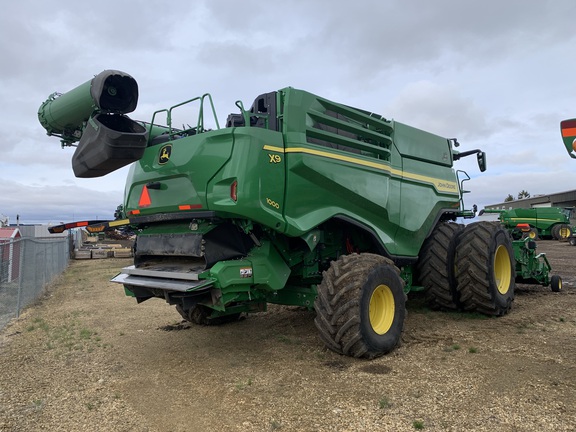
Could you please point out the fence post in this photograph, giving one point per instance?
(20, 270)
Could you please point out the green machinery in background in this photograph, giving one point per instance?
(544, 222)
(525, 227)
(533, 268)
(297, 200)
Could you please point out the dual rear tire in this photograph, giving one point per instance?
(435, 267)
(485, 269)
(561, 232)
(470, 269)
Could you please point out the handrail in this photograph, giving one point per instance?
(200, 121)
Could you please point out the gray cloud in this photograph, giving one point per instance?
(45, 203)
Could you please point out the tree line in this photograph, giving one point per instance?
(521, 195)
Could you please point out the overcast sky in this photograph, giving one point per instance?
(498, 75)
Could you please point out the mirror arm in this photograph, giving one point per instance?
(458, 156)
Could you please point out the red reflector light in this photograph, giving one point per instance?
(134, 212)
(75, 225)
(144, 198)
(234, 191)
(189, 206)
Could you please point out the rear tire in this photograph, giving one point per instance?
(360, 307)
(436, 267)
(200, 314)
(554, 232)
(485, 269)
(564, 232)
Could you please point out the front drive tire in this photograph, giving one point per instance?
(485, 269)
(436, 267)
(360, 307)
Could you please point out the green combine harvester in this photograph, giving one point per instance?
(544, 222)
(298, 200)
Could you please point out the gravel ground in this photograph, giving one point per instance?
(87, 358)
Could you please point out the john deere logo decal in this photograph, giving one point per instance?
(165, 153)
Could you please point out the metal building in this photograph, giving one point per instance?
(560, 199)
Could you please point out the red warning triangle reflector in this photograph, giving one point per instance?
(144, 198)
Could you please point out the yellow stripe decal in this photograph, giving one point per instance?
(534, 219)
(119, 222)
(440, 185)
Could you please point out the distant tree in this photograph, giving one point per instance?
(509, 198)
(523, 194)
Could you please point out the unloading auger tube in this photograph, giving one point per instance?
(93, 114)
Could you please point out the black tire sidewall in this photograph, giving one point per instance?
(556, 283)
(382, 275)
(554, 231)
(501, 238)
(437, 260)
(475, 267)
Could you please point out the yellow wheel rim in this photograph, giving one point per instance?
(564, 233)
(382, 309)
(532, 234)
(502, 269)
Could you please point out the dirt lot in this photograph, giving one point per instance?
(87, 358)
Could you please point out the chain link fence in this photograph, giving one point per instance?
(27, 265)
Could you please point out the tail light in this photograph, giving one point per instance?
(234, 191)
